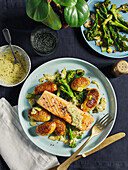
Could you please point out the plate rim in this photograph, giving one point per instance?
(75, 59)
(101, 53)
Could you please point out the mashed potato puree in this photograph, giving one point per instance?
(9, 72)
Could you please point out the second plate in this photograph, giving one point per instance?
(118, 54)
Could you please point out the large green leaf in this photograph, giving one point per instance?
(66, 2)
(37, 9)
(76, 15)
(52, 20)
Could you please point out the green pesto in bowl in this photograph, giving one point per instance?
(44, 40)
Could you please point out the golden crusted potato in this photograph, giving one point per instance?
(60, 126)
(41, 116)
(46, 128)
(80, 83)
(91, 100)
(49, 86)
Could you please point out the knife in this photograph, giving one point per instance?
(109, 140)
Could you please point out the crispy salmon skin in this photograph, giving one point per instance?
(58, 107)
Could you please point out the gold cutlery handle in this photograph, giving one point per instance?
(109, 140)
(67, 163)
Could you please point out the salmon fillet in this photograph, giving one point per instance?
(58, 107)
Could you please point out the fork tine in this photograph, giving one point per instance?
(101, 119)
(106, 120)
(101, 122)
(107, 124)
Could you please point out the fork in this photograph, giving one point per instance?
(98, 127)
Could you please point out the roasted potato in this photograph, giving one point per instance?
(41, 116)
(60, 126)
(91, 100)
(80, 83)
(46, 128)
(49, 86)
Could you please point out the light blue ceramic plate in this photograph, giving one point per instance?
(91, 72)
(92, 43)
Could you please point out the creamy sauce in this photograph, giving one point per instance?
(74, 140)
(94, 82)
(102, 105)
(34, 110)
(67, 141)
(80, 88)
(9, 72)
(64, 73)
(76, 116)
(33, 122)
(49, 77)
(59, 138)
(77, 132)
(32, 102)
(88, 24)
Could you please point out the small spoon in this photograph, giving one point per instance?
(7, 37)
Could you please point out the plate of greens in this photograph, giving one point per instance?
(75, 67)
(106, 30)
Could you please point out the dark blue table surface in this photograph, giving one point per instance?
(71, 44)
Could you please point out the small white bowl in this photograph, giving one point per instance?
(25, 55)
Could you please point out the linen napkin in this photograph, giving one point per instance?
(16, 149)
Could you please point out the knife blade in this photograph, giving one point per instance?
(109, 140)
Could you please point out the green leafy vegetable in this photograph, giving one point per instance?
(72, 143)
(77, 14)
(117, 24)
(52, 20)
(32, 96)
(107, 25)
(80, 96)
(123, 8)
(63, 81)
(64, 86)
(107, 40)
(93, 32)
(34, 9)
